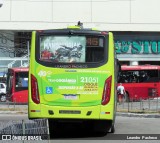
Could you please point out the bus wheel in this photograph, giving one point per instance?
(126, 97)
(100, 127)
(112, 130)
(3, 98)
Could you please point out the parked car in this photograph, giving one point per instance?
(2, 92)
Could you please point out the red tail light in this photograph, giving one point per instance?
(34, 90)
(107, 91)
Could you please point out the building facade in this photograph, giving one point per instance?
(135, 24)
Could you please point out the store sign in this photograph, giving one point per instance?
(137, 47)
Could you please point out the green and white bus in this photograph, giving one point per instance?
(73, 77)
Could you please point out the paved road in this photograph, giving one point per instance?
(124, 125)
(14, 117)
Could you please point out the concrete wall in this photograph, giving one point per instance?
(113, 15)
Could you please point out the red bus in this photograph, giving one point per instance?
(140, 81)
(17, 85)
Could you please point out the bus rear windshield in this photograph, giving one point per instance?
(72, 49)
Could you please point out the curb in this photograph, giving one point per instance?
(138, 115)
(13, 112)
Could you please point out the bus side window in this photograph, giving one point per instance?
(24, 82)
(18, 82)
(144, 76)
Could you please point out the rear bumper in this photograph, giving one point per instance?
(58, 112)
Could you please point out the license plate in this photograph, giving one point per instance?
(70, 97)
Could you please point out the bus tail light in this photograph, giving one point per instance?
(34, 90)
(107, 91)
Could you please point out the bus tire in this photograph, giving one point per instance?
(112, 130)
(100, 127)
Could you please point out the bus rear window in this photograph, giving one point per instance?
(71, 49)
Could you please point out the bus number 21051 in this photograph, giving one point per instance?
(89, 79)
